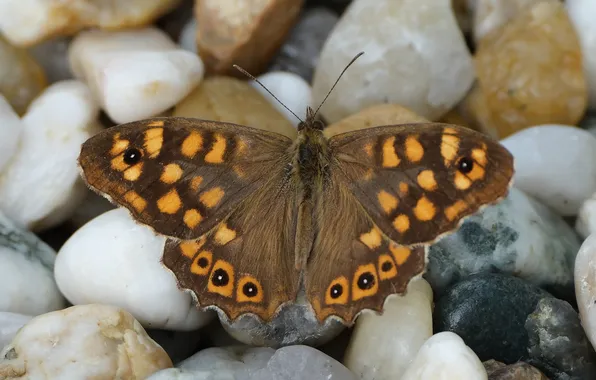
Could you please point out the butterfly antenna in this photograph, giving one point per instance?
(266, 89)
(338, 78)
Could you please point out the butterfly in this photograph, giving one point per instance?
(254, 218)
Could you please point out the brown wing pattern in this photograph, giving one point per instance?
(418, 181)
(181, 176)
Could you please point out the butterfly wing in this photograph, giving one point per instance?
(353, 265)
(418, 181)
(246, 264)
(181, 176)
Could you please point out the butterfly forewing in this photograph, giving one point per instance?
(180, 176)
(418, 181)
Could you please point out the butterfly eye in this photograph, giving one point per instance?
(336, 291)
(465, 165)
(132, 156)
(250, 290)
(220, 277)
(387, 266)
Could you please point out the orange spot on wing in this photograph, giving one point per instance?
(249, 290)
(338, 292)
(196, 182)
(216, 285)
(400, 253)
(134, 172)
(212, 197)
(386, 267)
(201, 264)
(373, 284)
(401, 223)
(390, 159)
(372, 239)
(461, 181)
(156, 123)
(118, 163)
(192, 144)
(424, 210)
(153, 141)
(479, 155)
(414, 150)
(387, 201)
(403, 188)
(426, 180)
(192, 218)
(455, 210)
(215, 155)
(170, 203)
(189, 248)
(119, 145)
(224, 235)
(171, 173)
(135, 200)
(449, 147)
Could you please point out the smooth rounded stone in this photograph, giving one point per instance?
(27, 283)
(41, 186)
(134, 74)
(245, 33)
(381, 114)
(81, 342)
(489, 15)
(21, 77)
(188, 36)
(10, 132)
(382, 346)
(235, 101)
(555, 164)
(528, 74)
(245, 363)
(300, 52)
(114, 260)
(415, 56)
(52, 56)
(28, 22)
(585, 223)
(585, 286)
(507, 319)
(581, 13)
(10, 323)
(518, 236)
(445, 356)
(518, 371)
(293, 91)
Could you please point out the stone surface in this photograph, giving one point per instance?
(507, 319)
(27, 22)
(518, 236)
(234, 101)
(518, 371)
(81, 342)
(414, 55)
(52, 56)
(585, 286)
(291, 90)
(300, 52)
(134, 74)
(585, 224)
(489, 15)
(10, 132)
(27, 283)
(41, 186)
(244, 363)
(529, 72)
(581, 12)
(445, 356)
(245, 33)
(21, 77)
(10, 323)
(555, 164)
(114, 260)
(382, 346)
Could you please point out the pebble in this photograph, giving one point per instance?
(517, 236)
(41, 186)
(490, 15)
(529, 72)
(382, 346)
(507, 319)
(291, 90)
(518, 371)
(445, 356)
(245, 33)
(10, 132)
(81, 342)
(581, 13)
(188, 36)
(28, 22)
(10, 323)
(555, 164)
(21, 77)
(135, 74)
(300, 52)
(585, 286)
(232, 100)
(52, 56)
(245, 363)
(27, 283)
(406, 45)
(585, 223)
(114, 260)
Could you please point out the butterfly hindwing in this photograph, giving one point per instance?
(418, 181)
(180, 176)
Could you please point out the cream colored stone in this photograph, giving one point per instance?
(585, 286)
(492, 14)
(583, 15)
(27, 22)
(382, 346)
(234, 101)
(83, 342)
(10, 132)
(414, 55)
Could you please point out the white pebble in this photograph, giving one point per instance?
(414, 55)
(41, 186)
(10, 323)
(585, 286)
(134, 74)
(290, 89)
(10, 132)
(83, 342)
(382, 346)
(52, 55)
(116, 261)
(445, 356)
(585, 224)
(188, 36)
(582, 13)
(556, 164)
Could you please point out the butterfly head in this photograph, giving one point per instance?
(311, 121)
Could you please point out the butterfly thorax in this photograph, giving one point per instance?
(311, 157)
